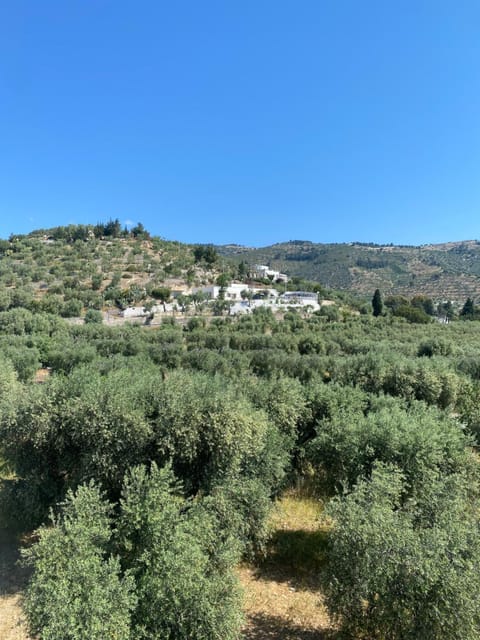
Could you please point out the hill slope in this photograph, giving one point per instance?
(448, 271)
(65, 269)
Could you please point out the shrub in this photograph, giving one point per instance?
(77, 591)
(418, 441)
(185, 584)
(405, 569)
(93, 317)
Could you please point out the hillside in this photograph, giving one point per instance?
(449, 271)
(66, 269)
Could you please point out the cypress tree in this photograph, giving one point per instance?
(377, 303)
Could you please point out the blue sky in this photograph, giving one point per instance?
(252, 121)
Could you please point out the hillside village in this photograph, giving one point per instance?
(237, 297)
(128, 275)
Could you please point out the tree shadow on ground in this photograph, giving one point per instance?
(13, 577)
(268, 627)
(297, 557)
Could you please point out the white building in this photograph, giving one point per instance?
(134, 312)
(300, 299)
(247, 306)
(264, 271)
(232, 292)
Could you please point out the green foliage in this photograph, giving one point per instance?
(405, 568)
(427, 380)
(223, 280)
(161, 293)
(238, 409)
(423, 303)
(205, 427)
(394, 302)
(139, 231)
(184, 581)
(77, 591)
(377, 303)
(76, 428)
(468, 311)
(349, 444)
(97, 280)
(241, 507)
(93, 317)
(435, 347)
(446, 309)
(72, 308)
(26, 360)
(412, 314)
(469, 408)
(206, 253)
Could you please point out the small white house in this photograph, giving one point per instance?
(232, 292)
(134, 312)
(264, 271)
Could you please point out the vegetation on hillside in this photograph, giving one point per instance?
(443, 272)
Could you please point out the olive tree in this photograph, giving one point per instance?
(405, 568)
(77, 591)
(184, 579)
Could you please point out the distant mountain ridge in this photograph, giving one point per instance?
(447, 271)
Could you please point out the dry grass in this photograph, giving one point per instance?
(283, 598)
(277, 610)
(296, 511)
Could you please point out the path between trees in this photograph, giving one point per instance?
(12, 581)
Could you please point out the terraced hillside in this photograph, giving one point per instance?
(449, 271)
(67, 269)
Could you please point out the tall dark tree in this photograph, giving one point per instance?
(377, 303)
(139, 231)
(468, 310)
(205, 252)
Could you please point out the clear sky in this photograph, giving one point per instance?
(249, 121)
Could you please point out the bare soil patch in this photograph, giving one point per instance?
(283, 599)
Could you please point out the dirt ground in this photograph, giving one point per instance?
(12, 581)
(283, 599)
(282, 610)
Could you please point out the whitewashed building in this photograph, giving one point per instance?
(264, 271)
(232, 292)
(300, 299)
(133, 312)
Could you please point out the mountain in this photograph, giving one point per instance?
(449, 271)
